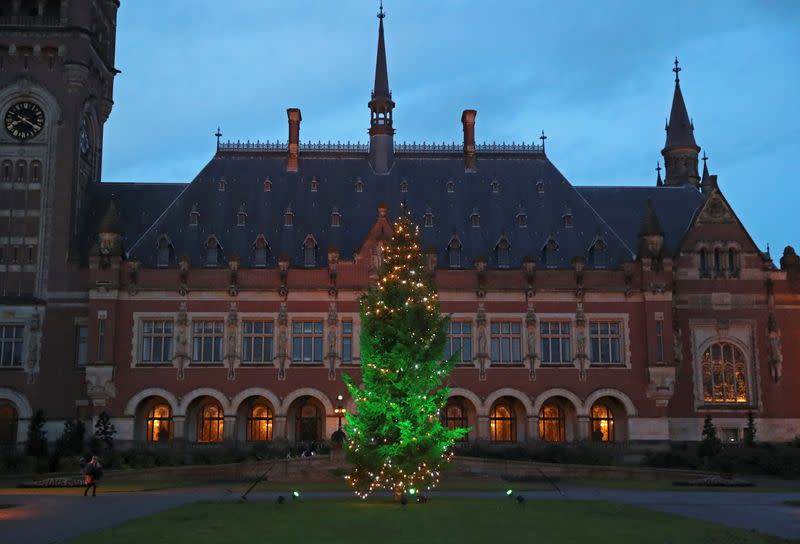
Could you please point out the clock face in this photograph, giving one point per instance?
(84, 140)
(24, 120)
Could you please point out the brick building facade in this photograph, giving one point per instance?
(226, 309)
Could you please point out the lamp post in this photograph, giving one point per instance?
(338, 436)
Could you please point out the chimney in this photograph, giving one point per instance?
(468, 120)
(293, 159)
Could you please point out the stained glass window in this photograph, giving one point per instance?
(551, 423)
(724, 374)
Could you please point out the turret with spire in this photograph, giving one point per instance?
(381, 131)
(680, 150)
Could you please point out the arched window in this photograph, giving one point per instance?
(22, 172)
(597, 253)
(502, 423)
(164, 252)
(267, 185)
(551, 423)
(451, 186)
(567, 218)
(8, 424)
(212, 251)
(241, 216)
(288, 217)
(259, 423)
(194, 216)
(211, 423)
(454, 416)
(540, 186)
(522, 218)
(310, 251)
(159, 423)
(602, 423)
(428, 218)
(454, 253)
(261, 250)
(550, 252)
(36, 172)
(724, 374)
(495, 186)
(5, 171)
(359, 186)
(336, 217)
(732, 264)
(717, 262)
(308, 422)
(475, 218)
(703, 260)
(404, 186)
(503, 250)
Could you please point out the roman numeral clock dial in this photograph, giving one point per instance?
(24, 120)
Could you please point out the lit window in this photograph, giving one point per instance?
(556, 342)
(551, 423)
(724, 374)
(307, 341)
(259, 424)
(8, 424)
(503, 251)
(257, 337)
(459, 342)
(602, 423)
(454, 416)
(502, 423)
(210, 424)
(11, 345)
(605, 342)
(454, 253)
(207, 341)
(159, 423)
(505, 342)
(347, 341)
(660, 340)
(81, 345)
(157, 341)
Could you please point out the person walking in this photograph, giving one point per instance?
(91, 474)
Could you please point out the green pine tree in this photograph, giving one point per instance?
(104, 430)
(396, 440)
(36, 445)
(750, 430)
(710, 445)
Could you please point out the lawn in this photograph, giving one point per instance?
(458, 520)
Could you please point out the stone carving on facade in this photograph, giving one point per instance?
(332, 354)
(677, 342)
(233, 276)
(100, 383)
(231, 331)
(133, 277)
(181, 357)
(183, 276)
(530, 327)
(482, 354)
(34, 343)
(775, 351)
(580, 343)
(282, 342)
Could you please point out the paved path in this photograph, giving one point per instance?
(50, 518)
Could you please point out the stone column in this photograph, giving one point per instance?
(483, 428)
(179, 429)
(279, 427)
(582, 432)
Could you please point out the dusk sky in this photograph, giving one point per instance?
(595, 76)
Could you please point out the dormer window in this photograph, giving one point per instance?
(428, 218)
(404, 186)
(241, 216)
(503, 251)
(212, 251)
(475, 218)
(540, 186)
(221, 185)
(336, 218)
(261, 249)
(314, 185)
(164, 252)
(522, 217)
(451, 186)
(567, 218)
(454, 252)
(194, 216)
(550, 252)
(288, 217)
(598, 253)
(495, 185)
(359, 186)
(309, 252)
(267, 185)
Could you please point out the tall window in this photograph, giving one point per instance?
(454, 416)
(502, 423)
(724, 374)
(11, 345)
(660, 340)
(347, 341)
(101, 338)
(211, 424)
(212, 252)
(428, 219)
(404, 186)
(459, 342)
(550, 253)
(81, 345)
(506, 342)
(307, 341)
(556, 342)
(157, 341)
(308, 422)
(598, 253)
(257, 337)
(551, 423)
(159, 423)
(288, 217)
(475, 218)
(259, 423)
(602, 422)
(454, 253)
(207, 341)
(164, 248)
(717, 262)
(732, 264)
(261, 250)
(503, 250)
(8, 424)
(703, 261)
(336, 218)
(310, 252)
(522, 219)
(605, 342)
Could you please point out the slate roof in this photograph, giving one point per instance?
(519, 181)
(680, 131)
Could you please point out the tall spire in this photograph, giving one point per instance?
(680, 149)
(381, 130)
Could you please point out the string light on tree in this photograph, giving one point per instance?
(395, 439)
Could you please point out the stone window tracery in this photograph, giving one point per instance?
(552, 426)
(259, 423)
(502, 422)
(159, 423)
(454, 416)
(211, 423)
(602, 423)
(724, 374)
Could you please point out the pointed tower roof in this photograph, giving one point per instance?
(706, 179)
(381, 88)
(659, 181)
(650, 224)
(111, 222)
(680, 131)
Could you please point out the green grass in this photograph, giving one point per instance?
(106, 486)
(663, 485)
(463, 521)
(446, 485)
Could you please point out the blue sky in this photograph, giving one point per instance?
(595, 76)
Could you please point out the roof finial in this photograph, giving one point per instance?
(542, 138)
(705, 159)
(659, 181)
(381, 13)
(218, 134)
(676, 70)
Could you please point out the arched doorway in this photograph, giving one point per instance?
(454, 415)
(309, 420)
(159, 422)
(552, 423)
(504, 420)
(255, 420)
(607, 420)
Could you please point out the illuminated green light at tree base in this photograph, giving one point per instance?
(509, 492)
(395, 439)
(296, 494)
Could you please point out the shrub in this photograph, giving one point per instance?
(36, 445)
(104, 431)
(710, 445)
(750, 430)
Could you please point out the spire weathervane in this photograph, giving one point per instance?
(218, 134)
(676, 70)
(658, 168)
(705, 159)
(542, 138)
(381, 13)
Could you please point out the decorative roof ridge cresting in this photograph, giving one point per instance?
(403, 147)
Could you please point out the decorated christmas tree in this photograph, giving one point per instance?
(396, 440)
